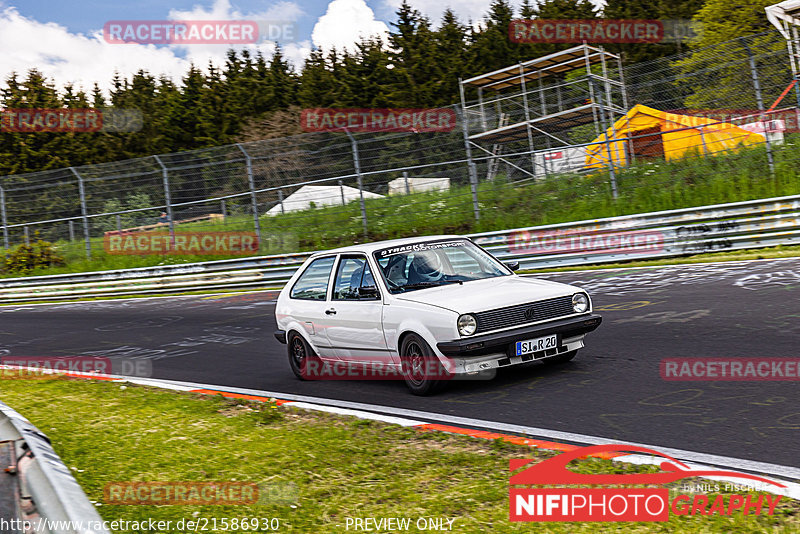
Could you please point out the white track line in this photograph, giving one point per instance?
(644, 267)
(68, 302)
(708, 459)
(400, 416)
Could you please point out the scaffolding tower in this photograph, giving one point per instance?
(540, 100)
(785, 16)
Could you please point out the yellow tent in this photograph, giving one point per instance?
(649, 133)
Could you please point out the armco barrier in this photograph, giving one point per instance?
(739, 225)
(36, 485)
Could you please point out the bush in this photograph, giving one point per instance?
(25, 258)
(131, 202)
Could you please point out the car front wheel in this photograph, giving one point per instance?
(422, 371)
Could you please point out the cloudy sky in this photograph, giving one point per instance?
(64, 39)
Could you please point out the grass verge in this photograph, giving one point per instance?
(337, 467)
(642, 187)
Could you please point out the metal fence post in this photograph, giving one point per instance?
(84, 213)
(252, 185)
(224, 211)
(611, 173)
(280, 200)
(544, 165)
(791, 44)
(119, 223)
(341, 192)
(473, 171)
(760, 103)
(405, 178)
(27, 233)
(703, 140)
(71, 231)
(3, 214)
(167, 198)
(357, 163)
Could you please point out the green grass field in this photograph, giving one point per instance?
(320, 469)
(643, 187)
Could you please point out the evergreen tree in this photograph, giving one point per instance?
(316, 85)
(451, 55)
(665, 11)
(493, 49)
(282, 81)
(417, 73)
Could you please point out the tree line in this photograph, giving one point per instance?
(419, 66)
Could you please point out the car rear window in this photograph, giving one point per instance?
(313, 283)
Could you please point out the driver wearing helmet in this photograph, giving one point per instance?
(425, 267)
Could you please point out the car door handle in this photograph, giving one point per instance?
(330, 312)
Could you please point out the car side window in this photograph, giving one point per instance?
(313, 283)
(353, 273)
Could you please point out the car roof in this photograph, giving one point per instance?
(368, 248)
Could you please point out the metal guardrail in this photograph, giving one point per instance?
(716, 228)
(36, 485)
(721, 227)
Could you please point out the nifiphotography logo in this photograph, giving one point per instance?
(622, 504)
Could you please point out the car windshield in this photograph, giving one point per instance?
(435, 263)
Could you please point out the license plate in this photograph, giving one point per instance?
(535, 345)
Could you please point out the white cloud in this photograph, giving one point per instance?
(296, 53)
(345, 23)
(75, 58)
(465, 9)
(85, 59)
(281, 12)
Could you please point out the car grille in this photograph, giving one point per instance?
(543, 310)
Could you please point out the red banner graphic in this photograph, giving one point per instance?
(591, 31)
(577, 241)
(378, 120)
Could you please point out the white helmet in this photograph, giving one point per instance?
(427, 265)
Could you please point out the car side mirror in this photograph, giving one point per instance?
(368, 293)
(513, 265)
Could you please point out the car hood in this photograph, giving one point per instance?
(488, 294)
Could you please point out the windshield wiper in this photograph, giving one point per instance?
(423, 285)
(418, 285)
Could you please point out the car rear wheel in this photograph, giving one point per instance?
(301, 356)
(561, 358)
(422, 370)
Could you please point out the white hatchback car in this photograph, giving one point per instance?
(418, 304)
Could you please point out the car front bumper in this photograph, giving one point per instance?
(499, 342)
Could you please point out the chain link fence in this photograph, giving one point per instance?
(375, 182)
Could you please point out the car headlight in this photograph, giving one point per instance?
(580, 302)
(467, 324)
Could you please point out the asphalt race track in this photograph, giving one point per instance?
(612, 389)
